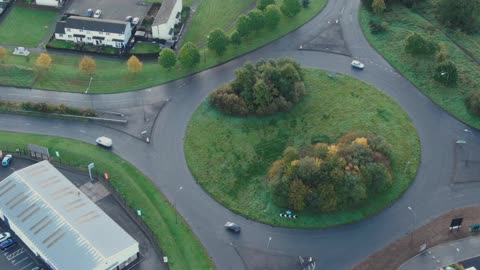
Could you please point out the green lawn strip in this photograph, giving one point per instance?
(419, 70)
(212, 14)
(176, 240)
(145, 47)
(26, 27)
(230, 156)
(113, 76)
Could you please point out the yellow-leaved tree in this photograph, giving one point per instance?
(134, 65)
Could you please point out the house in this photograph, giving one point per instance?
(51, 3)
(94, 31)
(164, 23)
(62, 225)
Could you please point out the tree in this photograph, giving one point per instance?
(134, 65)
(442, 53)
(3, 54)
(189, 55)
(290, 8)
(235, 38)
(43, 63)
(377, 177)
(244, 25)
(417, 45)
(290, 154)
(262, 4)
(473, 103)
(305, 3)
(88, 65)
(446, 73)
(257, 19)
(297, 195)
(461, 14)
(309, 170)
(354, 189)
(218, 41)
(327, 197)
(272, 16)
(167, 58)
(378, 6)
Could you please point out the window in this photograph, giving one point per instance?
(81, 31)
(89, 38)
(69, 36)
(108, 34)
(60, 35)
(68, 29)
(88, 32)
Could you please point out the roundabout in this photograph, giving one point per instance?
(163, 162)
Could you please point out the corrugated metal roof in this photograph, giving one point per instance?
(59, 219)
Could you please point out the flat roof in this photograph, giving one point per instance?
(59, 219)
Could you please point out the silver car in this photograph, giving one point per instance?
(357, 64)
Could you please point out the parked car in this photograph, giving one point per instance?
(4, 236)
(104, 141)
(8, 244)
(232, 227)
(128, 19)
(7, 160)
(89, 12)
(37, 268)
(97, 14)
(135, 20)
(357, 64)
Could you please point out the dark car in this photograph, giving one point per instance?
(89, 13)
(232, 227)
(8, 244)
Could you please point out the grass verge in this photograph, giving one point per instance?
(419, 70)
(183, 249)
(113, 76)
(230, 156)
(26, 27)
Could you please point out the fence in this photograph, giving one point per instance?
(22, 152)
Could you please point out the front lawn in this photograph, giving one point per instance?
(145, 47)
(26, 27)
(230, 156)
(183, 249)
(419, 70)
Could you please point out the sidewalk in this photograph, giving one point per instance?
(404, 252)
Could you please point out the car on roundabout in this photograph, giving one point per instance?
(7, 160)
(104, 141)
(357, 64)
(230, 226)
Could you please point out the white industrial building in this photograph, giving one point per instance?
(167, 17)
(94, 31)
(60, 224)
(51, 3)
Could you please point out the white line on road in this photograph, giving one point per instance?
(83, 131)
(341, 12)
(26, 257)
(26, 266)
(28, 124)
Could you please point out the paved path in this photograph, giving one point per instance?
(164, 163)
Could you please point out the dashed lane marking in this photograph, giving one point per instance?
(26, 266)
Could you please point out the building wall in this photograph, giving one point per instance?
(108, 37)
(120, 259)
(52, 3)
(162, 31)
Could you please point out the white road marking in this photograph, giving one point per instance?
(83, 131)
(15, 254)
(343, 9)
(28, 124)
(26, 257)
(26, 266)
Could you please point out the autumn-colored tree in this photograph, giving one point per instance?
(297, 195)
(43, 63)
(134, 65)
(3, 53)
(442, 53)
(88, 65)
(378, 6)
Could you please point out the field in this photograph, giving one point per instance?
(26, 27)
(183, 249)
(402, 22)
(230, 156)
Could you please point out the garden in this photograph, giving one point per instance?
(339, 152)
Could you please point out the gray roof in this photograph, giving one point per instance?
(62, 222)
(164, 12)
(93, 24)
(60, 27)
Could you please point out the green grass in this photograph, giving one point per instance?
(145, 48)
(212, 14)
(230, 156)
(26, 27)
(419, 70)
(183, 249)
(113, 76)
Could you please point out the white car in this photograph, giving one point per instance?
(357, 64)
(104, 141)
(97, 13)
(135, 20)
(4, 236)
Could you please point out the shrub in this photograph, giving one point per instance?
(418, 45)
(473, 103)
(446, 73)
(290, 8)
(297, 195)
(272, 16)
(235, 38)
(377, 27)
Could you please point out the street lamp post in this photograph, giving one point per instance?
(413, 225)
(89, 83)
(443, 73)
(176, 213)
(468, 150)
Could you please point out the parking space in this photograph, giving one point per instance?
(111, 9)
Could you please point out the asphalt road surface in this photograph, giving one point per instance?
(432, 192)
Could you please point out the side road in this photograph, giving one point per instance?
(448, 246)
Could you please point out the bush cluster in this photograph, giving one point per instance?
(377, 27)
(261, 89)
(326, 178)
(60, 109)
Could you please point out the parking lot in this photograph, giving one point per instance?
(20, 257)
(111, 9)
